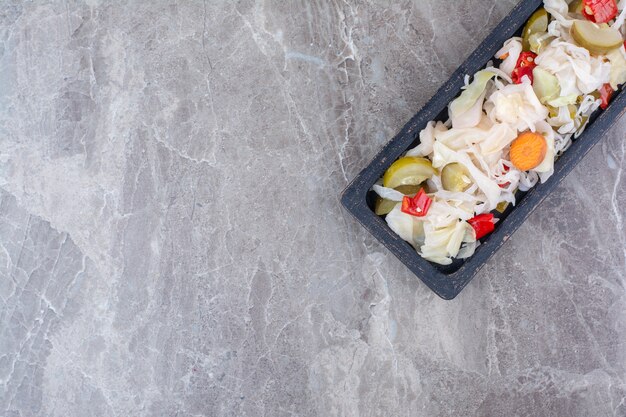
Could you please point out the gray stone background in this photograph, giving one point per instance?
(172, 242)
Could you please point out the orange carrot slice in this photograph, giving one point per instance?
(528, 150)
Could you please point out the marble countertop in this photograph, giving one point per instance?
(172, 242)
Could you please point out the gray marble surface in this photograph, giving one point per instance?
(172, 242)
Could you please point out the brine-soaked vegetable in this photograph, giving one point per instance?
(483, 224)
(599, 11)
(539, 40)
(545, 85)
(618, 67)
(408, 227)
(455, 177)
(416, 206)
(597, 40)
(528, 150)
(471, 94)
(384, 206)
(606, 92)
(408, 170)
(538, 22)
(576, 7)
(525, 65)
(409, 190)
(502, 206)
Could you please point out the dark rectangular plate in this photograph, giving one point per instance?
(448, 281)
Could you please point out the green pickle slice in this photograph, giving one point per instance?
(408, 170)
(455, 177)
(596, 39)
(537, 23)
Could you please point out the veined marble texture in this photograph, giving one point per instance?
(172, 242)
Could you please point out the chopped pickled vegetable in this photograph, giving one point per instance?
(618, 67)
(455, 177)
(408, 227)
(509, 53)
(525, 65)
(384, 206)
(483, 224)
(538, 22)
(471, 94)
(606, 93)
(416, 206)
(563, 100)
(528, 150)
(539, 40)
(408, 170)
(388, 198)
(545, 85)
(409, 190)
(597, 40)
(599, 11)
(502, 206)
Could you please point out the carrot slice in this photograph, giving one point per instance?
(528, 150)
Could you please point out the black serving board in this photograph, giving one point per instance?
(448, 281)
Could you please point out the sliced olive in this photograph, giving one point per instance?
(598, 40)
(408, 170)
(455, 177)
(538, 22)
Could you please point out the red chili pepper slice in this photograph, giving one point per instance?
(600, 11)
(527, 59)
(518, 73)
(483, 224)
(417, 206)
(524, 66)
(606, 92)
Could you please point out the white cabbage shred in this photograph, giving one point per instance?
(509, 54)
(488, 116)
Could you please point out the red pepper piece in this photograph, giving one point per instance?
(527, 59)
(518, 73)
(506, 184)
(417, 206)
(600, 11)
(606, 92)
(483, 224)
(524, 66)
